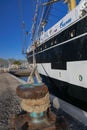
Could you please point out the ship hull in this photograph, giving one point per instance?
(62, 63)
(75, 95)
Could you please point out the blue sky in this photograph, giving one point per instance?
(10, 45)
(10, 28)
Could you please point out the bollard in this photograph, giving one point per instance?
(36, 114)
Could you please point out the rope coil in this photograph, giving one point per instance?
(38, 105)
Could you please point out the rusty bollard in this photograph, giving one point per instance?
(36, 113)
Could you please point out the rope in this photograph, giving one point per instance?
(36, 105)
(22, 24)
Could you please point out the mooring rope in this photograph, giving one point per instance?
(36, 105)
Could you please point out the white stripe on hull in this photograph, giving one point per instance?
(76, 72)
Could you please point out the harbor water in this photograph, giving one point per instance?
(25, 78)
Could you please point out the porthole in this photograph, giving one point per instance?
(45, 46)
(51, 43)
(80, 77)
(72, 33)
(55, 41)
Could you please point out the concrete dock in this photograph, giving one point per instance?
(10, 104)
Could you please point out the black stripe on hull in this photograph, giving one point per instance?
(73, 94)
(75, 50)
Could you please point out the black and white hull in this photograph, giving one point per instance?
(62, 63)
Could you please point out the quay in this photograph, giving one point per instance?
(20, 72)
(10, 104)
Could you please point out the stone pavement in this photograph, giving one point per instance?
(9, 102)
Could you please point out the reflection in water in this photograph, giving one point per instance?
(25, 78)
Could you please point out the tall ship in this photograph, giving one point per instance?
(61, 52)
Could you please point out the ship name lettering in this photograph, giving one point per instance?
(63, 24)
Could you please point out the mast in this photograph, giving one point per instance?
(42, 22)
(71, 4)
